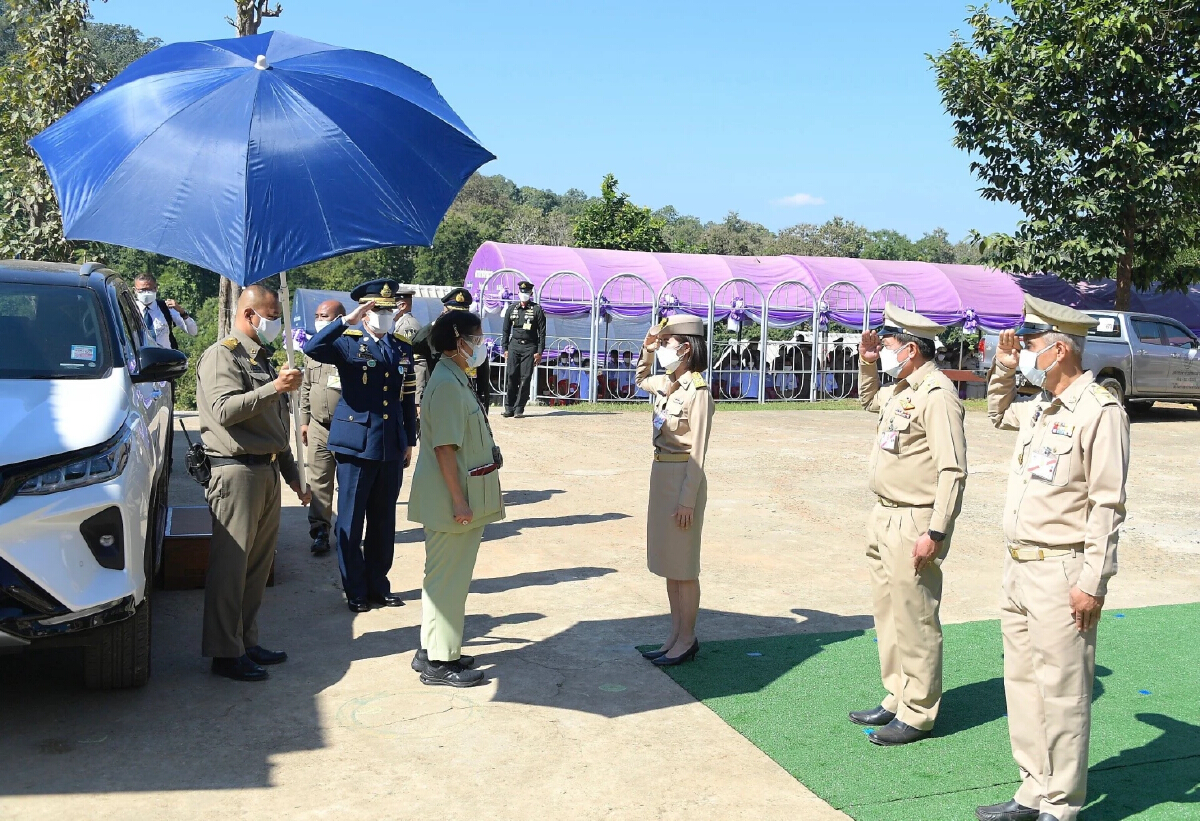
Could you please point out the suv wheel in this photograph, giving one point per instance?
(119, 654)
(1113, 386)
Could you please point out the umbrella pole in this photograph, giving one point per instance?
(289, 346)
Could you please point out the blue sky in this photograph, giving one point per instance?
(783, 111)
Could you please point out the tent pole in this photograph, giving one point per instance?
(289, 346)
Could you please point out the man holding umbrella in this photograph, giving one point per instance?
(372, 434)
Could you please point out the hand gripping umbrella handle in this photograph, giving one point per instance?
(289, 346)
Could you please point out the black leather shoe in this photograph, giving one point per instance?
(688, 655)
(507, 412)
(450, 674)
(420, 662)
(387, 600)
(358, 605)
(651, 655)
(238, 669)
(895, 733)
(261, 655)
(320, 545)
(1009, 811)
(520, 413)
(877, 717)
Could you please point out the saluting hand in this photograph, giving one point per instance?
(288, 379)
(868, 347)
(1085, 608)
(1008, 350)
(650, 343)
(355, 316)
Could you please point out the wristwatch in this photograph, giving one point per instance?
(937, 535)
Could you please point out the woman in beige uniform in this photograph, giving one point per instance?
(683, 411)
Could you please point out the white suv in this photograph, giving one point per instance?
(85, 437)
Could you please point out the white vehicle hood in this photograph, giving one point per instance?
(46, 417)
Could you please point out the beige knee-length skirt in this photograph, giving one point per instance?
(672, 552)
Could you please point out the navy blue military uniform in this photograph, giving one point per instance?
(373, 427)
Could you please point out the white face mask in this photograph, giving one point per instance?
(525, 297)
(381, 323)
(147, 298)
(321, 324)
(1027, 364)
(889, 362)
(477, 355)
(268, 329)
(668, 358)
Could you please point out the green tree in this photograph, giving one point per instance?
(116, 46)
(1086, 114)
(683, 233)
(455, 243)
(935, 246)
(888, 244)
(737, 237)
(836, 238)
(48, 73)
(615, 222)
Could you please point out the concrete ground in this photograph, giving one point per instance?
(572, 722)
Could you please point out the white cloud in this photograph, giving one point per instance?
(800, 200)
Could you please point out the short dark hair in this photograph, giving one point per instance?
(451, 326)
(143, 277)
(698, 355)
(925, 347)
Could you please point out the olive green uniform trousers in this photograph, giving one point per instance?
(449, 564)
(321, 471)
(245, 503)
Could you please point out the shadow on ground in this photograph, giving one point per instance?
(1167, 770)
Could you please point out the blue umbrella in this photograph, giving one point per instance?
(257, 154)
(253, 155)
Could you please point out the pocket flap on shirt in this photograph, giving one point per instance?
(1060, 444)
(345, 414)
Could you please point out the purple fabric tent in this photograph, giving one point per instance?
(946, 293)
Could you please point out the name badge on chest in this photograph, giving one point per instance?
(1042, 464)
(889, 441)
(334, 380)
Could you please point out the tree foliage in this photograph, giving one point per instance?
(614, 222)
(1086, 114)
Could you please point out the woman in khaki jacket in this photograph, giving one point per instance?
(683, 411)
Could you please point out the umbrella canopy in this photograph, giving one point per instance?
(253, 155)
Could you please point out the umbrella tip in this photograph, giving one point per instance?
(261, 63)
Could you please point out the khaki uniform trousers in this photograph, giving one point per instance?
(449, 564)
(907, 623)
(245, 503)
(321, 470)
(1049, 667)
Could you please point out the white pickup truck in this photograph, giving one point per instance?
(1142, 358)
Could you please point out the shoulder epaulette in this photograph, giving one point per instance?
(1103, 395)
(698, 382)
(230, 342)
(352, 332)
(402, 337)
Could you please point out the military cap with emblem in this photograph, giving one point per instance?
(459, 299)
(684, 325)
(406, 291)
(381, 291)
(898, 321)
(1042, 316)
(525, 287)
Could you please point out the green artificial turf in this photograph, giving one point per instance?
(791, 702)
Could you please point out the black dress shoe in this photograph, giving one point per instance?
(450, 674)
(420, 661)
(387, 600)
(507, 413)
(688, 655)
(358, 605)
(520, 414)
(320, 545)
(261, 655)
(238, 669)
(651, 655)
(872, 718)
(1008, 811)
(895, 733)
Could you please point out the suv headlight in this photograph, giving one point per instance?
(89, 470)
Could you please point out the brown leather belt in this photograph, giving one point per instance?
(484, 470)
(889, 503)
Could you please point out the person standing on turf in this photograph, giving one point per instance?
(918, 469)
(373, 432)
(523, 340)
(1065, 505)
(455, 492)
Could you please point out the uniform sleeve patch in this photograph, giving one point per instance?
(1103, 394)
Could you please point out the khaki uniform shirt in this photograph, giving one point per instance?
(407, 327)
(320, 391)
(240, 411)
(683, 412)
(1066, 486)
(920, 453)
(452, 416)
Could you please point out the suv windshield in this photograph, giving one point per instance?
(51, 332)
